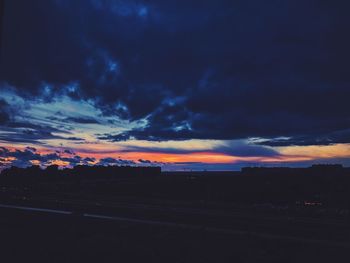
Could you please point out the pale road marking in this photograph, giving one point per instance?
(37, 209)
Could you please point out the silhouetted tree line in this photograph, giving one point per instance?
(328, 185)
(52, 173)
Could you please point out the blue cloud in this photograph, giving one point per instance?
(245, 68)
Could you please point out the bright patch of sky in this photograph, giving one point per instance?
(63, 113)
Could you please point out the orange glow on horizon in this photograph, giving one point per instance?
(204, 157)
(99, 151)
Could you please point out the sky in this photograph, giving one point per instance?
(186, 85)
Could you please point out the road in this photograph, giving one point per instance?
(163, 234)
(307, 230)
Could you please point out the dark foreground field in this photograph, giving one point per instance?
(39, 236)
(107, 215)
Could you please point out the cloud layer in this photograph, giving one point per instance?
(174, 71)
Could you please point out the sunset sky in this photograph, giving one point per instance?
(213, 85)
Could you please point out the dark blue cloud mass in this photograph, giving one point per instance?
(233, 148)
(193, 69)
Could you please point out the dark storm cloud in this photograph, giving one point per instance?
(243, 149)
(150, 163)
(32, 149)
(15, 132)
(23, 158)
(69, 151)
(342, 136)
(23, 132)
(241, 68)
(144, 161)
(3, 151)
(4, 114)
(112, 161)
(80, 140)
(234, 148)
(32, 126)
(82, 120)
(27, 136)
(157, 150)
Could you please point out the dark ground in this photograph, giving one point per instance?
(40, 237)
(277, 215)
